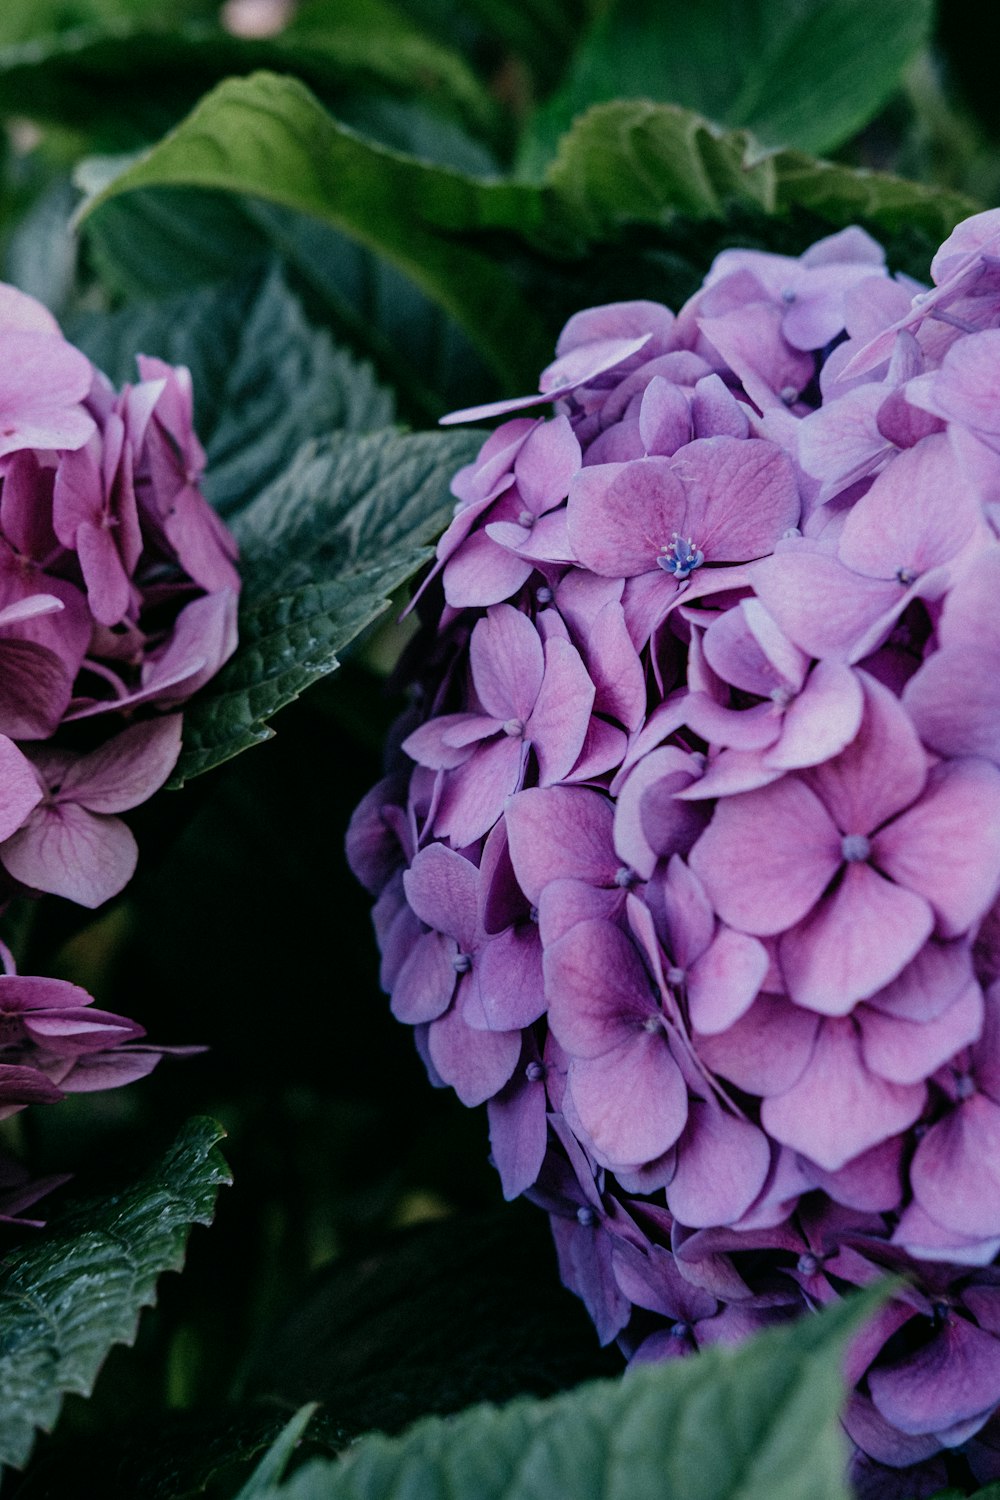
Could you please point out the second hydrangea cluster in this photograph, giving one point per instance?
(688, 858)
(118, 596)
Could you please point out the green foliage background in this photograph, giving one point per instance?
(377, 213)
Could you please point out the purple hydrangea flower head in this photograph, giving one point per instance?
(118, 595)
(690, 867)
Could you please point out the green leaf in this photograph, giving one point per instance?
(264, 380)
(275, 1461)
(23, 20)
(498, 255)
(130, 80)
(759, 1422)
(69, 1295)
(268, 137)
(800, 73)
(632, 163)
(321, 550)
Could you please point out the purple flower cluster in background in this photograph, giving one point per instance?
(689, 855)
(118, 595)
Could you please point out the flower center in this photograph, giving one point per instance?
(461, 963)
(855, 847)
(680, 557)
(514, 727)
(906, 576)
(585, 1216)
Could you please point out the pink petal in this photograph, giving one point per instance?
(506, 990)
(741, 496)
(477, 1064)
(600, 996)
(425, 983)
(73, 853)
(518, 1133)
(916, 515)
(854, 941)
(822, 720)
(476, 793)
(443, 889)
(724, 982)
(632, 1101)
(482, 572)
(766, 1050)
(947, 846)
(564, 903)
(507, 663)
(557, 727)
(126, 770)
(20, 791)
(722, 1163)
(953, 1376)
(546, 463)
(881, 771)
(837, 1109)
(908, 1051)
(954, 701)
(767, 856)
(955, 1172)
(824, 608)
(560, 831)
(621, 516)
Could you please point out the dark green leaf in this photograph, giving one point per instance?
(23, 20)
(78, 1289)
(264, 380)
(269, 137)
(272, 1466)
(632, 163)
(487, 250)
(759, 1422)
(800, 73)
(321, 550)
(131, 80)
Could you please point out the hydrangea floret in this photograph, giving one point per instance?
(687, 860)
(118, 595)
